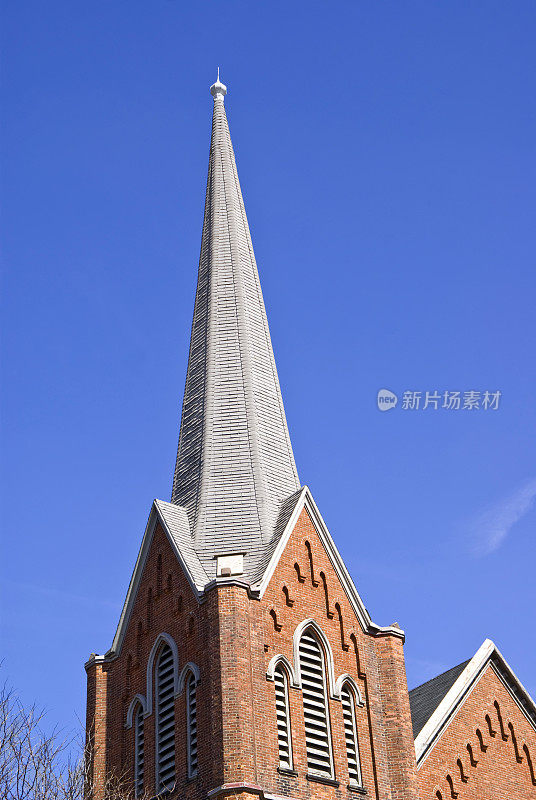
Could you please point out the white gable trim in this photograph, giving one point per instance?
(154, 517)
(306, 501)
(457, 693)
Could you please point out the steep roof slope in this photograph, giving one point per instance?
(424, 699)
(235, 465)
(235, 487)
(435, 703)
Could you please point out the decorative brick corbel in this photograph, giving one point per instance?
(519, 757)
(480, 738)
(288, 599)
(344, 644)
(463, 776)
(277, 625)
(453, 792)
(504, 735)
(329, 612)
(473, 761)
(311, 565)
(491, 729)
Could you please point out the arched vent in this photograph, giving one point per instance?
(283, 718)
(350, 734)
(138, 752)
(165, 720)
(191, 716)
(315, 709)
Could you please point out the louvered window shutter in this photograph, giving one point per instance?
(350, 734)
(191, 719)
(315, 707)
(283, 718)
(165, 720)
(138, 752)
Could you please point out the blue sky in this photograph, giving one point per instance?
(386, 154)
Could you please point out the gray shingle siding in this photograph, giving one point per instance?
(235, 467)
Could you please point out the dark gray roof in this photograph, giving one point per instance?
(424, 699)
(235, 469)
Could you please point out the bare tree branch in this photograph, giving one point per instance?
(36, 765)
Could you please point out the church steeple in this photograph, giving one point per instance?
(235, 465)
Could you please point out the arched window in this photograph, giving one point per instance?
(139, 760)
(350, 735)
(315, 706)
(165, 719)
(284, 739)
(191, 725)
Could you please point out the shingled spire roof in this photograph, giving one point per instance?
(235, 466)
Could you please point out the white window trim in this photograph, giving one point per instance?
(327, 655)
(136, 752)
(138, 699)
(192, 773)
(347, 678)
(274, 663)
(281, 668)
(353, 704)
(162, 637)
(306, 626)
(188, 668)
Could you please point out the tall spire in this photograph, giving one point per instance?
(235, 465)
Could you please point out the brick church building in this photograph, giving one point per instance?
(245, 664)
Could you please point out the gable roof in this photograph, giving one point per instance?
(424, 699)
(305, 501)
(235, 486)
(174, 521)
(429, 700)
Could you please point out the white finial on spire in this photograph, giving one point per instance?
(218, 87)
(235, 470)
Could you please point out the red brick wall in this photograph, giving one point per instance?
(232, 637)
(497, 773)
(400, 745)
(170, 611)
(96, 722)
(354, 652)
(232, 642)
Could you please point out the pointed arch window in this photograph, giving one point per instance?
(350, 735)
(165, 719)
(191, 725)
(315, 706)
(284, 739)
(139, 758)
